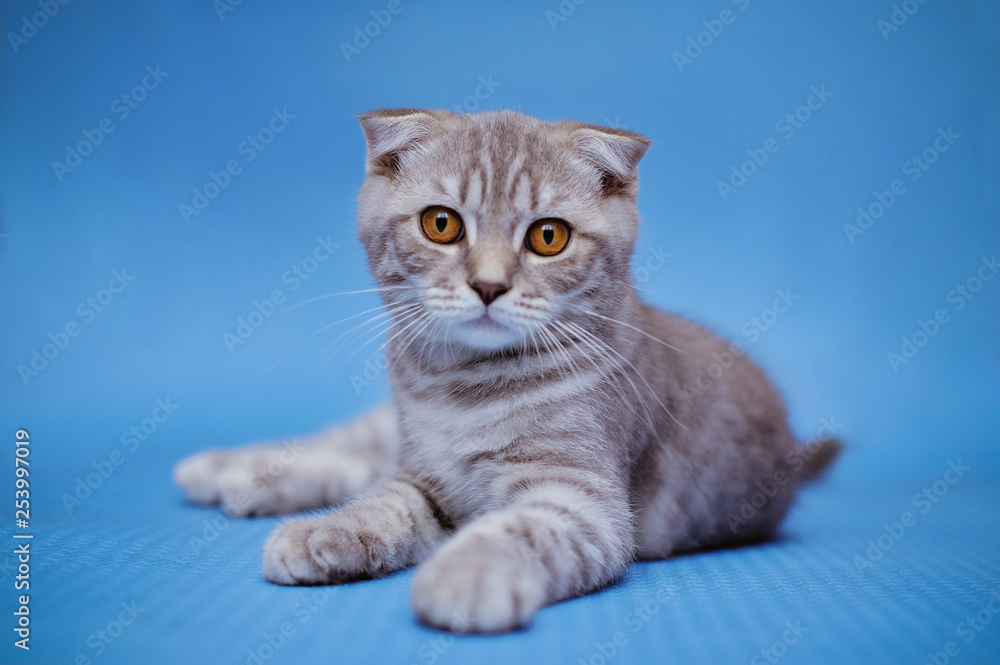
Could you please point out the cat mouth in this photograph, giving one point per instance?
(486, 332)
(486, 323)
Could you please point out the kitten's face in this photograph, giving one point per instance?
(486, 229)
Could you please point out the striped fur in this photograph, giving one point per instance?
(538, 444)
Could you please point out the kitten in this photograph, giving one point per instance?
(542, 434)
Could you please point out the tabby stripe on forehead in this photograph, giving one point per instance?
(515, 183)
(441, 187)
(500, 194)
(463, 188)
(485, 177)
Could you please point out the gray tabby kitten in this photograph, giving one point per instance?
(542, 434)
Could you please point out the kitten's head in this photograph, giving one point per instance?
(486, 228)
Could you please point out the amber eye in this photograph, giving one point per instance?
(547, 237)
(441, 224)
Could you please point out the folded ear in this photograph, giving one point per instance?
(615, 153)
(390, 132)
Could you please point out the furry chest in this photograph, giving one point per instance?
(461, 456)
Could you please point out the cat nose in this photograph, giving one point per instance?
(488, 291)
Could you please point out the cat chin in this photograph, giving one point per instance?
(486, 335)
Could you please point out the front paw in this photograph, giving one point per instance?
(314, 552)
(196, 476)
(237, 480)
(263, 480)
(478, 586)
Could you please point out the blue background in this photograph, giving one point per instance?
(605, 63)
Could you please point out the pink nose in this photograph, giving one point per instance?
(489, 291)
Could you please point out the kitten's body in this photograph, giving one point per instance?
(543, 431)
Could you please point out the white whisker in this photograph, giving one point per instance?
(638, 330)
(648, 419)
(379, 289)
(403, 310)
(410, 318)
(637, 372)
(406, 309)
(377, 329)
(408, 341)
(553, 346)
(326, 327)
(637, 288)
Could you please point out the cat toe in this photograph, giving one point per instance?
(486, 594)
(287, 559)
(196, 475)
(313, 552)
(243, 492)
(339, 551)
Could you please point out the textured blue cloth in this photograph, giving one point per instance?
(193, 577)
(176, 178)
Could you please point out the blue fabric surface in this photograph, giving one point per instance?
(114, 296)
(193, 577)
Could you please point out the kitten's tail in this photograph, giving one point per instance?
(818, 456)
